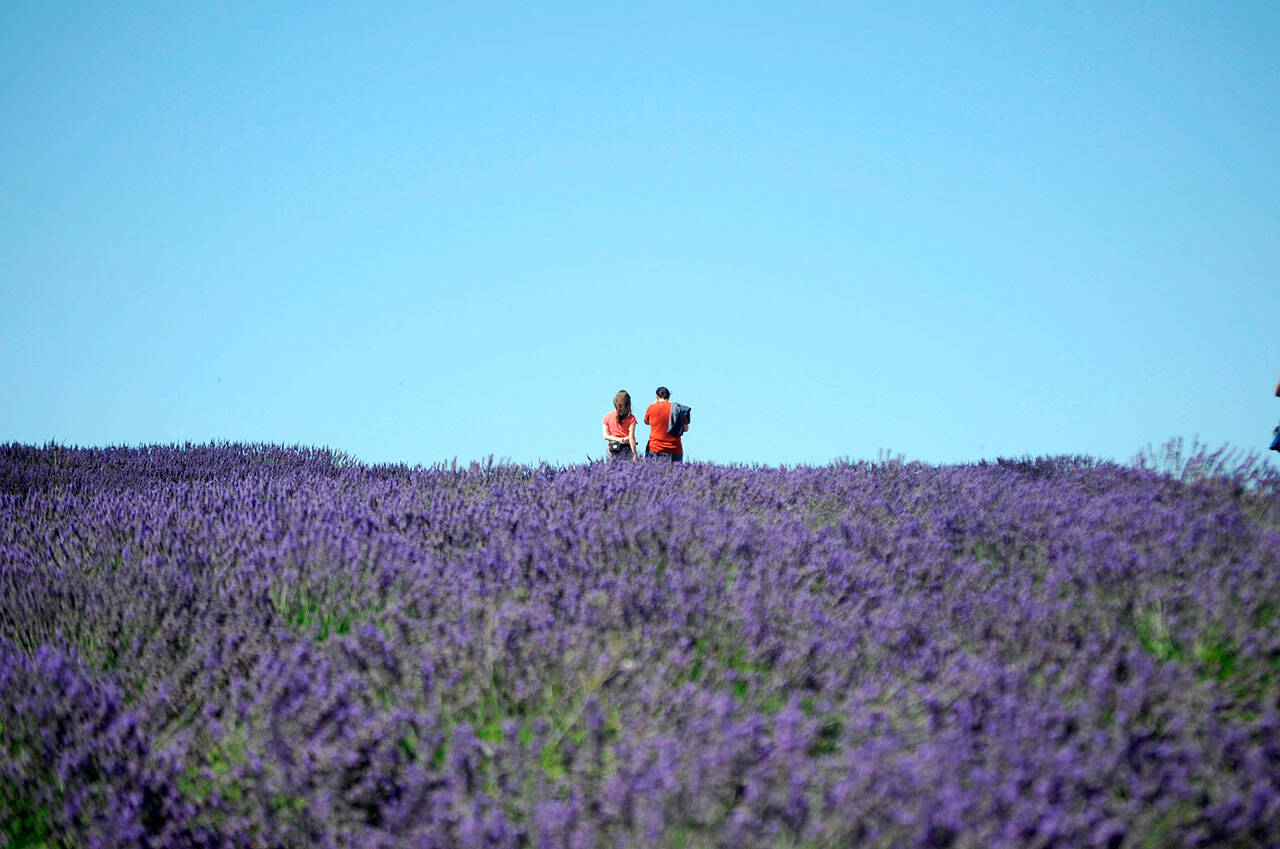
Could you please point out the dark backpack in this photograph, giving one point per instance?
(680, 418)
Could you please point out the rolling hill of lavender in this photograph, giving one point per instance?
(257, 646)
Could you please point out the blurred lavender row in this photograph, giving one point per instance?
(250, 646)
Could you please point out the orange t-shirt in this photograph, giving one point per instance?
(657, 417)
(615, 429)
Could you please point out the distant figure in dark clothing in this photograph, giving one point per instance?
(661, 442)
(1275, 442)
(619, 427)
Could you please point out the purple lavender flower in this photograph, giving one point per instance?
(246, 645)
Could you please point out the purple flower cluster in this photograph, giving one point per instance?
(247, 646)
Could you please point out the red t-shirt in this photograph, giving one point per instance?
(615, 429)
(657, 417)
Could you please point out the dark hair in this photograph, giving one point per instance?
(622, 403)
(664, 393)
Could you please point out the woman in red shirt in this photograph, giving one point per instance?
(619, 428)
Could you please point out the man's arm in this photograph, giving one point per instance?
(1278, 390)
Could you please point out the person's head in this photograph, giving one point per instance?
(622, 403)
(664, 393)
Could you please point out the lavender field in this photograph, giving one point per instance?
(255, 646)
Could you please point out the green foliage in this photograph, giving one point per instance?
(24, 825)
(314, 613)
(215, 774)
(827, 740)
(1214, 655)
(1153, 633)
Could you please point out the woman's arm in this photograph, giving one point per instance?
(629, 439)
(1278, 390)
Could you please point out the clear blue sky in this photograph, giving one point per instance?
(422, 231)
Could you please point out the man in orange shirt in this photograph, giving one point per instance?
(661, 443)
